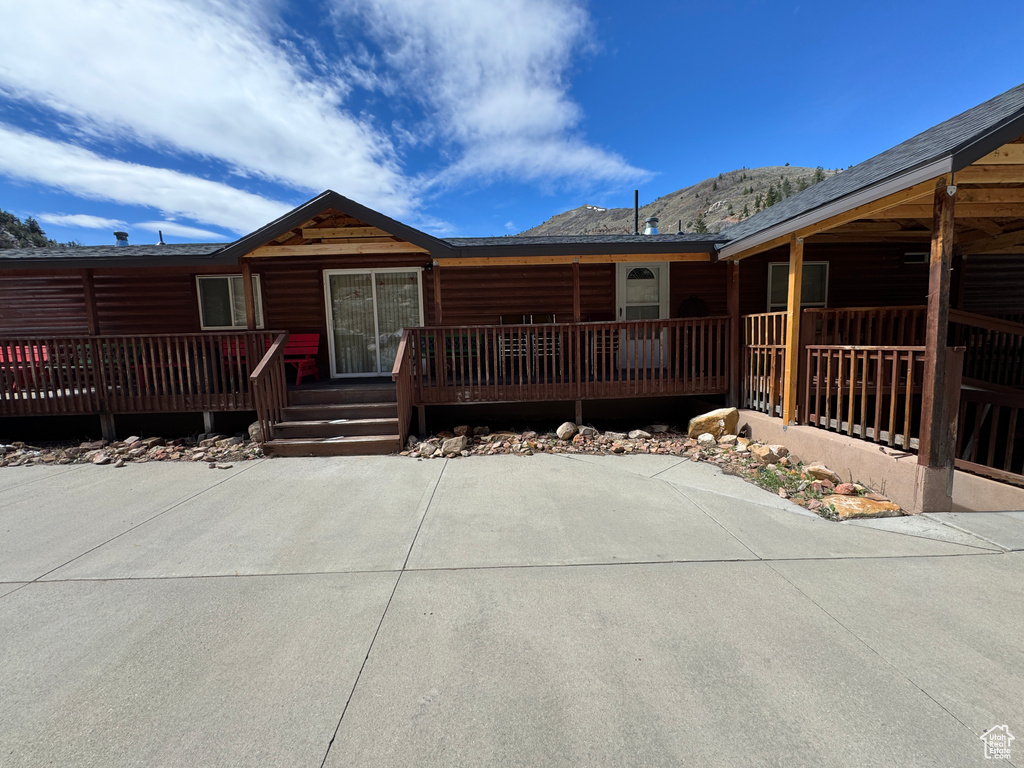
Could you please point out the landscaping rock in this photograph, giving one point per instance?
(131, 440)
(481, 431)
(462, 430)
(153, 442)
(722, 421)
(426, 450)
(707, 440)
(255, 433)
(845, 489)
(854, 507)
(101, 459)
(658, 428)
(727, 440)
(454, 445)
(120, 463)
(615, 435)
(565, 431)
(95, 445)
(588, 432)
(764, 454)
(639, 434)
(821, 472)
(228, 442)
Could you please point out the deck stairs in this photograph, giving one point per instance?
(355, 420)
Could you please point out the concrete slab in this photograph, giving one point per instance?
(6, 589)
(774, 533)
(709, 477)
(545, 510)
(923, 527)
(645, 464)
(952, 626)
(292, 516)
(704, 664)
(184, 672)
(1005, 529)
(12, 477)
(45, 524)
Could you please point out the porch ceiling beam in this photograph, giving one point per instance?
(990, 174)
(990, 245)
(864, 211)
(969, 210)
(597, 258)
(990, 228)
(320, 233)
(335, 249)
(1008, 154)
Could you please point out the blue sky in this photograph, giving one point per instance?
(461, 117)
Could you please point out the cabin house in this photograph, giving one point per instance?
(880, 306)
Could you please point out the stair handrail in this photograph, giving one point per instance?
(402, 375)
(269, 388)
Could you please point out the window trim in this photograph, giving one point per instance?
(257, 295)
(803, 305)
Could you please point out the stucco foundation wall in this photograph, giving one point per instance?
(896, 474)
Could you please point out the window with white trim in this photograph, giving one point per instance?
(813, 290)
(222, 302)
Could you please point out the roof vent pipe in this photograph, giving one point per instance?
(651, 225)
(636, 211)
(161, 233)
(122, 238)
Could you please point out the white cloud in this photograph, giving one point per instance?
(209, 79)
(83, 220)
(81, 172)
(180, 230)
(494, 76)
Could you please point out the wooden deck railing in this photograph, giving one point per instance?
(402, 375)
(764, 349)
(995, 348)
(990, 438)
(269, 387)
(558, 361)
(58, 375)
(870, 392)
(865, 326)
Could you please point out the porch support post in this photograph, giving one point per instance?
(250, 297)
(107, 429)
(792, 364)
(89, 292)
(733, 303)
(934, 449)
(577, 313)
(208, 422)
(421, 419)
(579, 413)
(437, 294)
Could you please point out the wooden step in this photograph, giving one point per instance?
(335, 412)
(335, 428)
(364, 445)
(339, 395)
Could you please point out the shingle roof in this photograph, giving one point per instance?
(111, 255)
(962, 140)
(556, 240)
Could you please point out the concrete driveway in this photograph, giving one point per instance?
(525, 611)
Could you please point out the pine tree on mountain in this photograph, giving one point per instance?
(819, 175)
(700, 226)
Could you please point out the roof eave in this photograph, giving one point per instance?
(863, 196)
(581, 249)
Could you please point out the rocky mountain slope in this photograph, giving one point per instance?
(15, 233)
(708, 206)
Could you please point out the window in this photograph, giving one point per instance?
(813, 292)
(222, 302)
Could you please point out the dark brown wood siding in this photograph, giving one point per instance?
(701, 280)
(994, 285)
(134, 302)
(858, 276)
(42, 304)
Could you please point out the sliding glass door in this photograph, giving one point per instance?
(367, 310)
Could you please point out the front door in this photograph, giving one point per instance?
(642, 295)
(367, 310)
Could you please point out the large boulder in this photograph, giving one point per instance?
(454, 445)
(764, 454)
(565, 431)
(853, 507)
(723, 421)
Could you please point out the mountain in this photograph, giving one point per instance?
(17, 234)
(719, 202)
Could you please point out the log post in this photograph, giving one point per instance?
(733, 303)
(577, 313)
(250, 297)
(89, 293)
(437, 294)
(792, 364)
(934, 450)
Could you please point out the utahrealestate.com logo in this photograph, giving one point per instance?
(997, 742)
